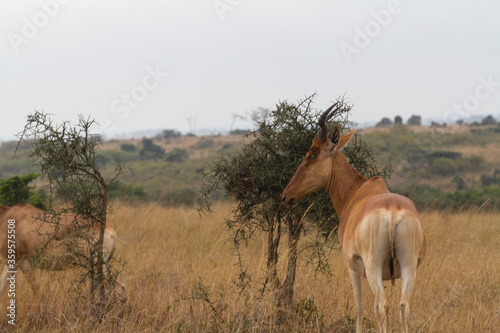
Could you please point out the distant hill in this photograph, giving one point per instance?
(426, 160)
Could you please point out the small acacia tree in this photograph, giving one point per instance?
(256, 176)
(67, 156)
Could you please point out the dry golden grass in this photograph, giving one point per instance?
(490, 152)
(181, 277)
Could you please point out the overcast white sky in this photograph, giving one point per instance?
(212, 59)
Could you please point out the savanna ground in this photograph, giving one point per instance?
(182, 276)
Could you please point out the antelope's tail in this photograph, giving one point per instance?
(392, 226)
(111, 244)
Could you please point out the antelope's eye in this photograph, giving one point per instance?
(312, 156)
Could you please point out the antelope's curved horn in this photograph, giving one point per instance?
(323, 120)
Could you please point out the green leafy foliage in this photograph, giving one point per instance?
(239, 132)
(151, 150)
(487, 180)
(16, 190)
(415, 121)
(420, 156)
(128, 147)
(118, 189)
(488, 120)
(170, 134)
(442, 166)
(177, 155)
(460, 183)
(429, 197)
(114, 157)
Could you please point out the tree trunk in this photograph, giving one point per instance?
(98, 279)
(273, 241)
(287, 289)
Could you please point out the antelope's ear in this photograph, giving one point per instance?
(345, 139)
(333, 138)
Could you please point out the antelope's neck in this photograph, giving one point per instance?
(349, 191)
(343, 185)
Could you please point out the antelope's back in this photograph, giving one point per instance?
(21, 219)
(391, 202)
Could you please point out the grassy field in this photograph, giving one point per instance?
(181, 277)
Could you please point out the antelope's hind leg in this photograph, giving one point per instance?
(356, 286)
(408, 245)
(3, 278)
(374, 277)
(28, 271)
(408, 266)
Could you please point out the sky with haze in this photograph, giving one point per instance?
(194, 65)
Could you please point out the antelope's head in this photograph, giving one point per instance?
(315, 171)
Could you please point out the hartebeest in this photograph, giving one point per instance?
(379, 231)
(31, 234)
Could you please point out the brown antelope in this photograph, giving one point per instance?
(379, 231)
(31, 236)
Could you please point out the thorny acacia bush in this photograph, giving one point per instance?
(67, 156)
(256, 176)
